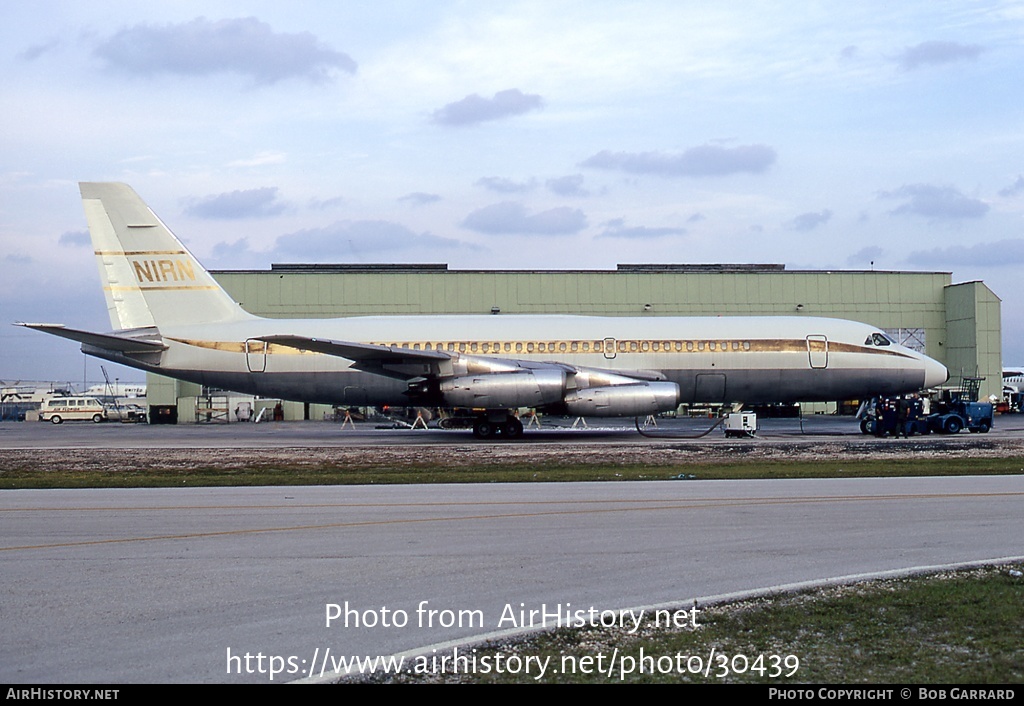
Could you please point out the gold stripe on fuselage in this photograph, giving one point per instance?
(514, 349)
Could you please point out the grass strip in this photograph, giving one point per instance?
(953, 628)
(151, 474)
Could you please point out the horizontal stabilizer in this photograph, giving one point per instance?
(106, 341)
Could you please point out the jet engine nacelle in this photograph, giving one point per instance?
(632, 400)
(524, 388)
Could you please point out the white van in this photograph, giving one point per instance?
(68, 408)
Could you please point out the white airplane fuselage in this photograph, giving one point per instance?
(712, 360)
(171, 317)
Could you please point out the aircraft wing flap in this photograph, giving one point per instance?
(105, 341)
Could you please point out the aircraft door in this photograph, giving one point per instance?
(609, 348)
(817, 351)
(256, 355)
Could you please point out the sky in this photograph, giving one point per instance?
(534, 135)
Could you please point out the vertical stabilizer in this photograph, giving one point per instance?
(149, 277)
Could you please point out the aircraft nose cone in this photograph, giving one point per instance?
(935, 373)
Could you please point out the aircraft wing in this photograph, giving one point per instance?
(106, 341)
(390, 361)
(419, 366)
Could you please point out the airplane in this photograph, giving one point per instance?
(1013, 379)
(170, 317)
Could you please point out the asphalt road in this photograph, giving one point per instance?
(167, 585)
(41, 435)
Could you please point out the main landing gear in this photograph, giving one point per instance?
(509, 428)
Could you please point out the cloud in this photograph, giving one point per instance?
(810, 221)
(37, 50)
(420, 198)
(347, 239)
(201, 47)
(935, 52)
(250, 203)
(865, 256)
(74, 239)
(18, 259)
(944, 202)
(616, 228)
(477, 109)
(324, 204)
(696, 218)
(571, 185)
(705, 160)
(506, 186)
(1014, 189)
(260, 160)
(1001, 253)
(510, 217)
(236, 255)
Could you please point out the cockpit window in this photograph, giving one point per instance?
(880, 339)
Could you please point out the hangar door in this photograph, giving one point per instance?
(817, 351)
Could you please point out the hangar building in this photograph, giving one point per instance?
(957, 324)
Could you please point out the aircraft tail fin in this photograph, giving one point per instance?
(149, 277)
